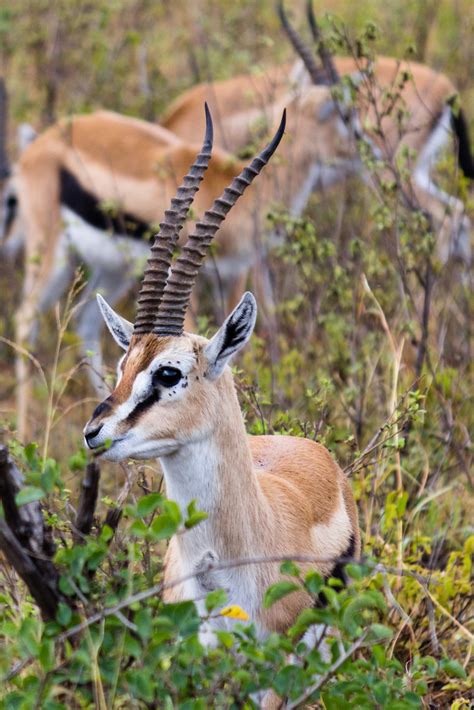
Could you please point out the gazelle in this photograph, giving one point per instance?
(246, 104)
(175, 399)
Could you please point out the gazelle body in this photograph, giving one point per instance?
(175, 399)
(264, 495)
(246, 105)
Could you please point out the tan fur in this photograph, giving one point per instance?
(424, 97)
(273, 492)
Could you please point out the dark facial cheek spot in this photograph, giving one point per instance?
(104, 406)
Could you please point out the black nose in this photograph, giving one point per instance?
(91, 434)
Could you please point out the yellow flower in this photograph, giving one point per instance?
(234, 612)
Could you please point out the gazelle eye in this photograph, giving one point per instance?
(167, 376)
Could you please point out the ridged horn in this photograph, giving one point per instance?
(180, 283)
(159, 261)
(317, 75)
(4, 162)
(324, 54)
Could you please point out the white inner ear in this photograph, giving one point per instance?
(120, 328)
(231, 336)
(25, 135)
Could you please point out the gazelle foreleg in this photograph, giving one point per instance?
(41, 290)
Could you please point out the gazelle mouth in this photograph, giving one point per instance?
(102, 448)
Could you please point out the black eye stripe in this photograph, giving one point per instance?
(142, 406)
(163, 377)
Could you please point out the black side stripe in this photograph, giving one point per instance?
(338, 570)
(465, 159)
(86, 205)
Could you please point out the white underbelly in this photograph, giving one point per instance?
(99, 249)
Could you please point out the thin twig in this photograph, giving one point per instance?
(329, 673)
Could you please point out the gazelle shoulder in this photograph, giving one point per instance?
(308, 468)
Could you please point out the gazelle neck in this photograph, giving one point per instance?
(217, 472)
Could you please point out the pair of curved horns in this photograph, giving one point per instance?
(328, 74)
(166, 287)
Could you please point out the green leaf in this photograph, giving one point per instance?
(138, 528)
(216, 598)
(132, 646)
(354, 571)
(173, 510)
(163, 527)
(28, 635)
(50, 475)
(78, 461)
(148, 504)
(46, 654)
(195, 519)
(379, 631)
(289, 678)
(28, 494)
(402, 504)
(411, 699)
(64, 614)
(313, 582)
(144, 623)
(452, 668)
(226, 639)
(30, 453)
(184, 615)
(290, 568)
(431, 665)
(352, 615)
(279, 591)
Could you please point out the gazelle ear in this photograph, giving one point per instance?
(231, 336)
(120, 328)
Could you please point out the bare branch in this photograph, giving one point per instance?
(87, 502)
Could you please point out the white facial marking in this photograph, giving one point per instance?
(119, 370)
(135, 443)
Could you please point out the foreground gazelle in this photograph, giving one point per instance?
(175, 399)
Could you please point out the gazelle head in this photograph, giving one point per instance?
(170, 383)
